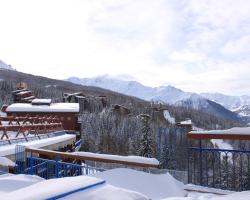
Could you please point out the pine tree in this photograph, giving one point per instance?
(146, 143)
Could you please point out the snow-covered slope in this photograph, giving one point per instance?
(243, 111)
(5, 66)
(237, 104)
(229, 102)
(199, 103)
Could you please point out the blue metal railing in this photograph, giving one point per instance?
(220, 168)
(26, 163)
(171, 148)
(211, 167)
(48, 169)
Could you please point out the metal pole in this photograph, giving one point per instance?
(188, 158)
(201, 169)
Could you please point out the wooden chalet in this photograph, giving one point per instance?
(66, 112)
(187, 124)
(119, 109)
(72, 97)
(22, 94)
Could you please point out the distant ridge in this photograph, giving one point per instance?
(3, 65)
(216, 104)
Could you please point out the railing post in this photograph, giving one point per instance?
(170, 148)
(175, 149)
(181, 151)
(31, 165)
(165, 148)
(188, 158)
(201, 169)
(159, 144)
(57, 168)
(87, 168)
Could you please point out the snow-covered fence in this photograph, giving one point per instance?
(220, 168)
(171, 148)
(29, 163)
(61, 164)
(197, 160)
(172, 151)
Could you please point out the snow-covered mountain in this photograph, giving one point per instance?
(217, 104)
(205, 105)
(166, 94)
(230, 102)
(5, 66)
(237, 104)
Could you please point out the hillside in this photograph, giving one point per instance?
(206, 103)
(51, 88)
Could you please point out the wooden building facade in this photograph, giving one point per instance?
(66, 112)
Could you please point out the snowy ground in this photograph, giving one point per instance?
(144, 183)
(116, 184)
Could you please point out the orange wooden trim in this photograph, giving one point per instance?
(207, 136)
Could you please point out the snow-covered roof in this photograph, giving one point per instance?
(137, 159)
(54, 107)
(233, 131)
(187, 122)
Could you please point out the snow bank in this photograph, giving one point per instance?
(54, 187)
(14, 182)
(6, 162)
(234, 196)
(236, 130)
(197, 188)
(151, 185)
(202, 196)
(137, 159)
(54, 107)
(108, 192)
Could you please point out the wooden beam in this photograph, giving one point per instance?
(207, 136)
(64, 155)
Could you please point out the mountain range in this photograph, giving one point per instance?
(228, 107)
(43, 87)
(223, 106)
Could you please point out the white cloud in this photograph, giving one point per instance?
(238, 47)
(193, 44)
(186, 56)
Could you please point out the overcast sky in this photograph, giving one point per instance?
(195, 45)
